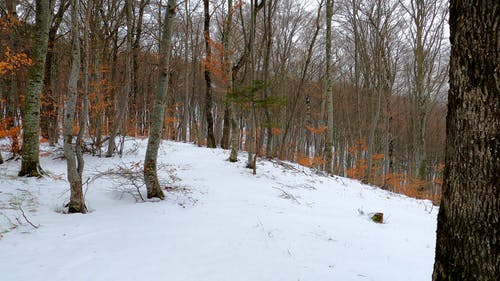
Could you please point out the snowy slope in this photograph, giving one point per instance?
(219, 223)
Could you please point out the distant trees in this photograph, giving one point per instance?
(266, 63)
(468, 244)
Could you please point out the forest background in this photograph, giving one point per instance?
(251, 75)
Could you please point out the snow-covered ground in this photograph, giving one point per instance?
(219, 222)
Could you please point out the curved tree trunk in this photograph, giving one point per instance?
(468, 234)
(30, 165)
(74, 168)
(150, 175)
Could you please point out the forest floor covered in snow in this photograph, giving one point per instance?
(219, 222)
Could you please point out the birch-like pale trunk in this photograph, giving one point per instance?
(74, 168)
(150, 167)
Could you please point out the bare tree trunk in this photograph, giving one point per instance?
(187, 86)
(48, 124)
(76, 203)
(208, 80)
(234, 136)
(251, 118)
(136, 50)
(329, 88)
(268, 12)
(228, 114)
(123, 101)
(468, 244)
(150, 174)
(30, 165)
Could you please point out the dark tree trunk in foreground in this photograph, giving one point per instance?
(30, 165)
(208, 80)
(468, 235)
(150, 175)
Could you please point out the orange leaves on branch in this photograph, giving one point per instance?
(12, 61)
(358, 171)
(215, 63)
(171, 120)
(359, 147)
(319, 130)
(309, 161)
(13, 133)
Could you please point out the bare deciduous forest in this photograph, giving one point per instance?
(247, 75)
(303, 94)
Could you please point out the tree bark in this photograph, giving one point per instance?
(150, 175)
(74, 165)
(30, 165)
(468, 232)
(208, 80)
(234, 136)
(329, 88)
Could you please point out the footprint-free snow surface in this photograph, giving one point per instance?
(218, 222)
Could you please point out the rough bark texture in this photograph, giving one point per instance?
(150, 175)
(30, 165)
(468, 235)
(234, 137)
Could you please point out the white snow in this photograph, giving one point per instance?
(219, 223)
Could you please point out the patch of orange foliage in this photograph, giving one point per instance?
(319, 130)
(276, 131)
(13, 133)
(309, 161)
(13, 61)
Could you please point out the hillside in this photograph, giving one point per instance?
(219, 222)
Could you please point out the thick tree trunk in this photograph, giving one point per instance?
(150, 175)
(30, 165)
(468, 234)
